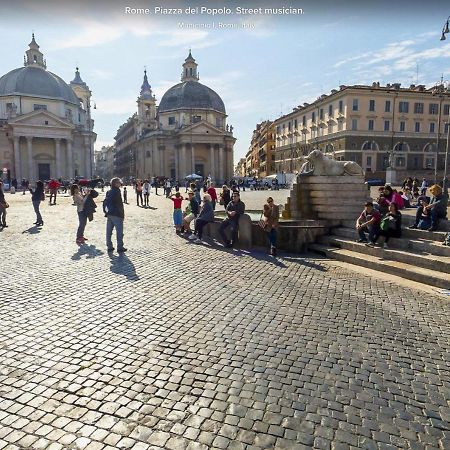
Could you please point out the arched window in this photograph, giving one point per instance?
(370, 145)
(430, 147)
(401, 147)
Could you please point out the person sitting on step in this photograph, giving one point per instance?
(436, 209)
(368, 222)
(390, 226)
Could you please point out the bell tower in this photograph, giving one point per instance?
(81, 90)
(34, 57)
(146, 105)
(190, 69)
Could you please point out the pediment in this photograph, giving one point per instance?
(202, 128)
(40, 117)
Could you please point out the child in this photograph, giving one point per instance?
(177, 213)
(125, 195)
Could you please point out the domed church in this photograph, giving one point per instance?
(186, 134)
(45, 126)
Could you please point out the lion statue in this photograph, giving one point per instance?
(322, 165)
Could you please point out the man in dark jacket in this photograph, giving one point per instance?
(113, 208)
(234, 210)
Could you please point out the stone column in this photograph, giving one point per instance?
(177, 166)
(155, 161)
(221, 164)
(231, 162)
(70, 173)
(87, 160)
(17, 162)
(183, 161)
(58, 157)
(211, 162)
(161, 162)
(192, 158)
(30, 158)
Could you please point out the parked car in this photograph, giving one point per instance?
(375, 182)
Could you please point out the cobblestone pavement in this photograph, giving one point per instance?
(176, 345)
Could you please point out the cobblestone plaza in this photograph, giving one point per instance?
(175, 345)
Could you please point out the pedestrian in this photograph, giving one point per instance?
(177, 199)
(78, 200)
(213, 194)
(146, 191)
(187, 185)
(24, 186)
(206, 215)
(234, 210)
(37, 196)
(168, 188)
(113, 209)
(271, 216)
(125, 195)
(225, 196)
(53, 186)
(155, 184)
(192, 211)
(3, 206)
(138, 187)
(423, 187)
(177, 186)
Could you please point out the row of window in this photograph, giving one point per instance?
(195, 119)
(402, 126)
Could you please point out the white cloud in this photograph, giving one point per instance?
(123, 105)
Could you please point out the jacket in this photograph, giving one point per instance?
(89, 207)
(239, 207)
(440, 204)
(78, 199)
(273, 217)
(207, 212)
(117, 203)
(37, 194)
(194, 207)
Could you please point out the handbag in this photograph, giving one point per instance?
(384, 225)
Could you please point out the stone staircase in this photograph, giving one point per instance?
(418, 255)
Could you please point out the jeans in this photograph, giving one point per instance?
(117, 223)
(234, 231)
(139, 196)
(53, 193)
(82, 220)
(199, 225)
(432, 213)
(272, 235)
(373, 231)
(2, 215)
(36, 204)
(146, 196)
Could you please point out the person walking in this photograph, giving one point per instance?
(113, 209)
(37, 196)
(53, 186)
(3, 206)
(78, 200)
(146, 191)
(271, 220)
(139, 192)
(168, 188)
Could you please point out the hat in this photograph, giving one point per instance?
(191, 192)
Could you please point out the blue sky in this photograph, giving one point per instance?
(259, 73)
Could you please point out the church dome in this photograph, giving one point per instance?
(191, 95)
(36, 82)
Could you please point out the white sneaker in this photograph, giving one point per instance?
(198, 241)
(385, 245)
(192, 237)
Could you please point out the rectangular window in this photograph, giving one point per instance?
(289, 125)
(321, 114)
(278, 129)
(387, 106)
(429, 163)
(418, 108)
(330, 110)
(37, 107)
(313, 116)
(341, 106)
(403, 107)
(354, 124)
(400, 161)
(369, 161)
(386, 125)
(304, 121)
(218, 122)
(171, 120)
(295, 124)
(340, 125)
(434, 107)
(355, 104)
(370, 125)
(417, 127)
(371, 105)
(446, 110)
(402, 126)
(446, 128)
(432, 127)
(196, 119)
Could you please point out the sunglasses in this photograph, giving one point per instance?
(269, 201)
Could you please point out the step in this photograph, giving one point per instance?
(432, 262)
(408, 271)
(444, 225)
(419, 245)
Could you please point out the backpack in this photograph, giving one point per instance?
(108, 204)
(447, 239)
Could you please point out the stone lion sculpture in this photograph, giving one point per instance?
(324, 166)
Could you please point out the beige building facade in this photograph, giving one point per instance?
(45, 126)
(185, 134)
(376, 126)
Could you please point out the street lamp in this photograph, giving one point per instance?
(445, 29)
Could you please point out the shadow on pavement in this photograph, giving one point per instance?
(305, 260)
(121, 265)
(91, 251)
(32, 230)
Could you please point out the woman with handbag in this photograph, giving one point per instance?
(37, 196)
(3, 206)
(390, 226)
(271, 216)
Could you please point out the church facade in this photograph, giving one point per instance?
(185, 134)
(46, 130)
